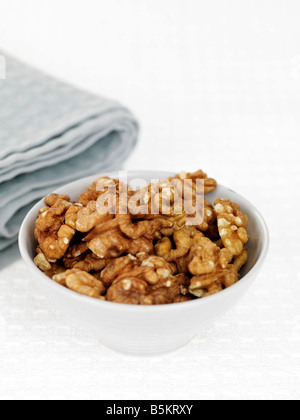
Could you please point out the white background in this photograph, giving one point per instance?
(215, 85)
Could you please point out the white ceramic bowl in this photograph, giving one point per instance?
(146, 330)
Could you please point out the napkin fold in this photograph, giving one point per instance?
(50, 134)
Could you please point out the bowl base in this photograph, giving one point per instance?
(146, 349)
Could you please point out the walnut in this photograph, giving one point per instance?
(52, 199)
(52, 217)
(163, 198)
(129, 290)
(81, 282)
(173, 283)
(77, 250)
(212, 289)
(207, 284)
(166, 199)
(157, 263)
(170, 224)
(154, 199)
(206, 257)
(109, 246)
(135, 291)
(55, 243)
(152, 283)
(116, 267)
(202, 218)
(240, 260)
(72, 215)
(86, 262)
(41, 262)
(89, 216)
(103, 185)
(167, 290)
(54, 230)
(209, 183)
(183, 240)
(148, 273)
(146, 228)
(232, 224)
(210, 267)
(105, 228)
(114, 243)
(198, 256)
(136, 246)
(93, 192)
(161, 274)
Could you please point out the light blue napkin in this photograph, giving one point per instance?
(50, 134)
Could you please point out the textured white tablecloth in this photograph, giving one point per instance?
(215, 86)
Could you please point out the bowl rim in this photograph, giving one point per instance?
(22, 240)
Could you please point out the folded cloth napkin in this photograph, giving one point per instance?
(51, 134)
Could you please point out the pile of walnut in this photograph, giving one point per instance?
(136, 258)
